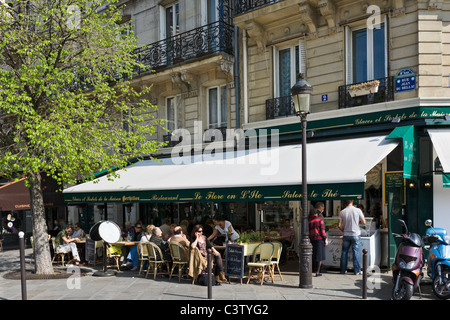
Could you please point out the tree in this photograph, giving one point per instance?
(68, 107)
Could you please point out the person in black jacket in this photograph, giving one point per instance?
(161, 243)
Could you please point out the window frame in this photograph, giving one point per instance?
(176, 103)
(162, 18)
(276, 63)
(349, 66)
(219, 106)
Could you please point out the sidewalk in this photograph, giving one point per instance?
(129, 285)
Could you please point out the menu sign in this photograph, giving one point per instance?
(394, 182)
(90, 251)
(234, 265)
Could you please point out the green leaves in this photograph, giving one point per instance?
(66, 109)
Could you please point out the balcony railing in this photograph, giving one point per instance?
(243, 6)
(215, 134)
(385, 93)
(280, 107)
(171, 140)
(196, 43)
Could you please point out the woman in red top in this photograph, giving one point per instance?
(318, 236)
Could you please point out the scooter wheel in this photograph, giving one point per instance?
(404, 292)
(441, 291)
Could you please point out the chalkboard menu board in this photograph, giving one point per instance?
(234, 265)
(90, 251)
(394, 182)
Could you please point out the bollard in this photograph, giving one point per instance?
(22, 265)
(209, 256)
(364, 284)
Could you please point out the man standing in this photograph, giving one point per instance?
(349, 220)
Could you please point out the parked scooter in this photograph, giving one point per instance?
(408, 263)
(438, 259)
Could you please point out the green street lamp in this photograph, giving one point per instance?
(301, 94)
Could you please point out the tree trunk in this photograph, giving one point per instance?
(41, 247)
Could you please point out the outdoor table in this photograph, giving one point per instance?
(127, 246)
(125, 243)
(274, 238)
(81, 244)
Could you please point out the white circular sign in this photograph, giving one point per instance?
(109, 231)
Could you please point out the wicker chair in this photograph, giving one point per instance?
(156, 260)
(278, 247)
(180, 256)
(115, 253)
(59, 252)
(262, 261)
(143, 255)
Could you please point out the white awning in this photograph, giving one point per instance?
(441, 143)
(329, 164)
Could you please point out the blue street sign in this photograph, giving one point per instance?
(405, 80)
(324, 97)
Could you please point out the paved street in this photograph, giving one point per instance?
(129, 285)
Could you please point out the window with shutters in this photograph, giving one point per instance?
(289, 61)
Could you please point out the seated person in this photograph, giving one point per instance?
(137, 232)
(147, 234)
(78, 233)
(64, 242)
(127, 229)
(287, 232)
(203, 244)
(133, 257)
(180, 238)
(161, 243)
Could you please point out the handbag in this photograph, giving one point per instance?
(204, 279)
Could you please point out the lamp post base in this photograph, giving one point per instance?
(306, 266)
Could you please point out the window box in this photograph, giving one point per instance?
(364, 88)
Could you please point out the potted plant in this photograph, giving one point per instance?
(363, 88)
(246, 237)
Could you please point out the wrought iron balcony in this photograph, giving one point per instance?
(244, 6)
(196, 43)
(385, 93)
(171, 142)
(280, 107)
(215, 134)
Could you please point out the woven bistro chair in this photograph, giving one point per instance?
(156, 260)
(262, 261)
(113, 252)
(59, 252)
(180, 256)
(278, 247)
(143, 255)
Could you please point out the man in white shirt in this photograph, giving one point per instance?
(349, 220)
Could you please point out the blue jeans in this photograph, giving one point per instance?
(355, 242)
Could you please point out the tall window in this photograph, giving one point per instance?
(170, 21)
(289, 61)
(366, 53)
(209, 11)
(217, 107)
(171, 112)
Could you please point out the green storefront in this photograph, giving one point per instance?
(391, 176)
